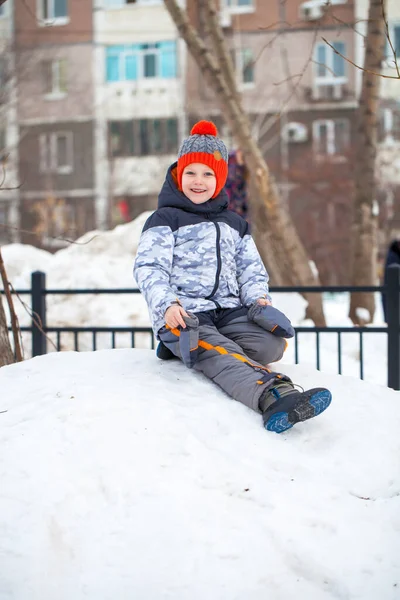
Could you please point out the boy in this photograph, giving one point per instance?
(207, 289)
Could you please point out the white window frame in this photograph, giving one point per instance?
(389, 58)
(48, 153)
(108, 4)
(329, 78)
(236, 9)
(331, 151)
(57, 21)
(140, 54)
(388, 126)
(56, 93)
(238, 54)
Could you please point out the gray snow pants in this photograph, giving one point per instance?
(233, 352)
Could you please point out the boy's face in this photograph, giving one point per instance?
(198, 182)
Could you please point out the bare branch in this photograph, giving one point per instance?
(35, 318)
(14, 319)
(386, 25)
(52, 237)
(358, 66)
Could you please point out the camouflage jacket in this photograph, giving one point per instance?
(199, 254)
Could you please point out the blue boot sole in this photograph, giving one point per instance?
(307, 408)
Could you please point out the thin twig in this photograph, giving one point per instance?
(393, 49)
(52, 237)
(14, 319)
(35, 318)
(358, 66)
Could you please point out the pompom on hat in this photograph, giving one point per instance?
(203, 146)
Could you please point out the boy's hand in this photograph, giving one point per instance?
(264, 302)
(174, 316)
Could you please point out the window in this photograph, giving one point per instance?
(56, 152)
(329, 65)
(143, 137)
(331, 137)
(55, 77)
(122, 3)
(3, 142)
(389, 123)
(4, 73)
(121, 138)
(394, 35)
(329, 71)
(141, 61)
(55, 11)
(4, 220)
(240, 5)
(244, 64)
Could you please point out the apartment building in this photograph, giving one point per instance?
(300, 93)
(54, 71)
(9, 193)
(388, 160)
(139, 105)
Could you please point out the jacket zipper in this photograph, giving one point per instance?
(219, 264)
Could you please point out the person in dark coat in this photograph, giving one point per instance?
(236, 184)
(392, 258)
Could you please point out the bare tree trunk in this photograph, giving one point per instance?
(6, 353)
(276, 234)
(223, 57)
(364, 226)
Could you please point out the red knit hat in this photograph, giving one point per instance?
(203, 146)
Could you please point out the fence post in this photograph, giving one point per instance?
(393, 323)
(38, 287)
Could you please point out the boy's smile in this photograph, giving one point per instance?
(198, 182)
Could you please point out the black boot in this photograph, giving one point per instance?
(283, 406)
(164, 353)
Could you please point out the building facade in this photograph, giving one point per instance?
(9, 192)
(139, 105)
(54, 70)
(388, 160)
(300, 93)
(97, 95)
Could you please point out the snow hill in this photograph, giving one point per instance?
(124, 477)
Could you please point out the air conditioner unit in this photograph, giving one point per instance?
(225, 18)
(295, 132)
(311, 11)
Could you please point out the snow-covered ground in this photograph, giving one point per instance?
(126, 477)
(105, 260)
(122, 476)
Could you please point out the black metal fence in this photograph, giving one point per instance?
(39, 328)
